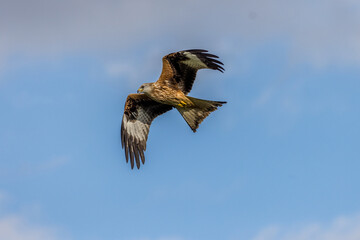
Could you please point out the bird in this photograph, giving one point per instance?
(170, 91)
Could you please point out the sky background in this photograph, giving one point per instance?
(280, 161)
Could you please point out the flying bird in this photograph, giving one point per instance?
(168, 92)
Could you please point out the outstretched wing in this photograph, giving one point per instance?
(139, 112)
(180, 68)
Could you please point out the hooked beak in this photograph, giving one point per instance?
(139, 90)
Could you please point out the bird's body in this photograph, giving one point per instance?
(169, 91)
(168, 95)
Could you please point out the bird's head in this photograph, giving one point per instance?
(145, 88)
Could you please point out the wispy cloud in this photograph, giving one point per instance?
(127, 67)
(171, 238)
(339, 229)
(52, 164)
(321, 32)
(162, 238)
(16, 226)
(26, 169)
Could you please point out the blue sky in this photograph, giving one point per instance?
(280, 161)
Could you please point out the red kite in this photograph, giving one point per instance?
(169, 91)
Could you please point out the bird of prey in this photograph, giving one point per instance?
(169, 91)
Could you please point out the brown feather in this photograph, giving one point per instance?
(180, 68)
(195, 115)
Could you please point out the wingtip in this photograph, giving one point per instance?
(210, 60)
(196, 50)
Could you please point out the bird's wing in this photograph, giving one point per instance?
(139, 112)
(180, 68)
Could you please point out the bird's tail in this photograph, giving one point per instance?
(196, 114)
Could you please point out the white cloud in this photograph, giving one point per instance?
(126, 67)
(339, 229)
(52, 164)
(26, 169)
(15, 227)
(319, 32)
(18, 227)
(118, 69)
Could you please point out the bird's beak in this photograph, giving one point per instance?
(139, 90)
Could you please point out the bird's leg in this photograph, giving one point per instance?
(182, 104)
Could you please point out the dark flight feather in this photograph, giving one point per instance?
(184, 66)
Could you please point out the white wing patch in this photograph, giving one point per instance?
(194, 61)
(139, 112)
(138, 129)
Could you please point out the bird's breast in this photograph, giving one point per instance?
(169, 96)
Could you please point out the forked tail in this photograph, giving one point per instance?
(195, 115)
